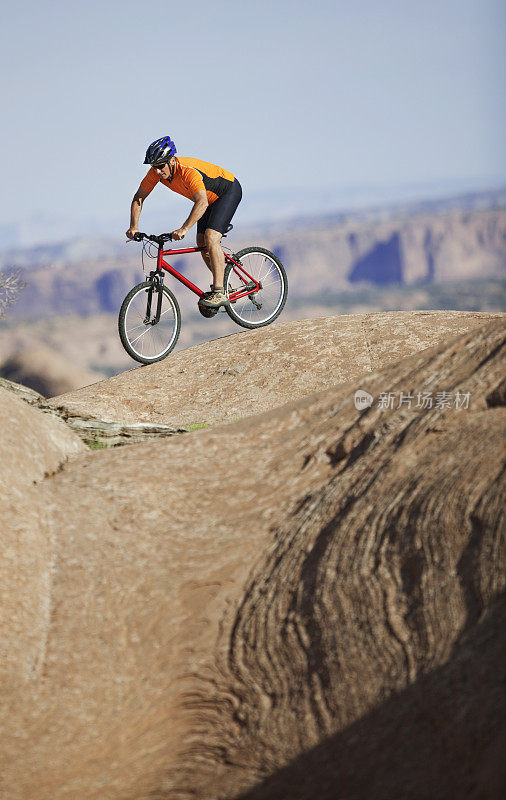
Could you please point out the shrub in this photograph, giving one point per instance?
(11, 284)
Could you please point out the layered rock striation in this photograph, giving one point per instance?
(305, 603)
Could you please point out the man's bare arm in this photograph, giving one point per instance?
(135, 211)
(200, 204)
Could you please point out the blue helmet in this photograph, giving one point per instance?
(161, 150)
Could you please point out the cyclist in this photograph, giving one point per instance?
(215, 192)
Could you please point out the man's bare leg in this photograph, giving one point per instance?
(212, 241)
(205, 255)
(214, 258)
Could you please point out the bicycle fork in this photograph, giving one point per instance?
(156, 284)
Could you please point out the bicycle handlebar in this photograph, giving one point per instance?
(158, 239)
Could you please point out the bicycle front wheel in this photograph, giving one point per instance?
(144, 340)
(252, 310)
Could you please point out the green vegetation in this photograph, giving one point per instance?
(94, 444)
(198, 426)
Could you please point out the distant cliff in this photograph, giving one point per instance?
(431, 246)
(427, 248)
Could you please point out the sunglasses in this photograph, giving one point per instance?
(160, 166)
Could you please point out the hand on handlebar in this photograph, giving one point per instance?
(179, 234)
(160, 239)
(130, 234)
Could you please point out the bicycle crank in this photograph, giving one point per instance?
(209, 312)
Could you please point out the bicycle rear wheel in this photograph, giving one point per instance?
(144, 341)
(263, 306)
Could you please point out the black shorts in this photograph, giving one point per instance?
(218, 215)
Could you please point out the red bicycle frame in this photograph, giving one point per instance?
(250, 285)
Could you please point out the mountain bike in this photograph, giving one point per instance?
(150, 319)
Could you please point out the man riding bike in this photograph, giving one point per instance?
(215, 192)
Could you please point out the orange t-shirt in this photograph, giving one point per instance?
(192, 175)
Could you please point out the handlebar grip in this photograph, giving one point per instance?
(158, 238)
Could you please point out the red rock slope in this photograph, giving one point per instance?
(307, 603)
(230, 378)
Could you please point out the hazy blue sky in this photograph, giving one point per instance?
(287, 94)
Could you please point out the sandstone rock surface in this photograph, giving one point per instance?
(93, 431)
(32, 444)
(254, 371)
(314, 588)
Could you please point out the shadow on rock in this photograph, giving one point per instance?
(441, 737)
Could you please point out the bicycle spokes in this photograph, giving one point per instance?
(257, 287)
(149, 336)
